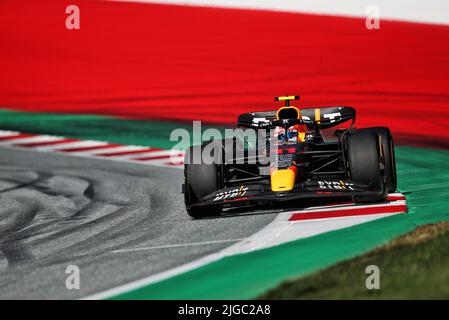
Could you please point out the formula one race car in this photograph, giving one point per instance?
(309, 158)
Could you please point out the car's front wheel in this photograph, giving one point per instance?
(365, 163)
(201, 179)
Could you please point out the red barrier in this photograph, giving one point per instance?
(183, 63)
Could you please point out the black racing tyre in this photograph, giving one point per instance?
(389, 157)
(363, 155)
(201, 179)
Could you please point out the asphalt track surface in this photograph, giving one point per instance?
(57, 211)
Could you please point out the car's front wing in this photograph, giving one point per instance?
(253, 193)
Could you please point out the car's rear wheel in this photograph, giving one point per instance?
(201, 179)
(389, 158)
(365, 162)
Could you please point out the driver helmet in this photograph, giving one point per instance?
(282, 137)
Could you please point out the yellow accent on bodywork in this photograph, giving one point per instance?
(282, 180)
(284, 98)
(317, 115)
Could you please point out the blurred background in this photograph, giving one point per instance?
(179, 61)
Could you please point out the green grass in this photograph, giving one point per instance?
(414, 266)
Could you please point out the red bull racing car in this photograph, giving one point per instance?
(291, 155)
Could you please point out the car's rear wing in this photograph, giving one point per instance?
(326, 117)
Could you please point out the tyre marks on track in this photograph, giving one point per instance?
(43, 213)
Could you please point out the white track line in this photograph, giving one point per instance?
(157, 277)
(180, 245)
(281, 231)
(7, 133)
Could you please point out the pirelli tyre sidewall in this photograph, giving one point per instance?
(201, 179)
(365, 163)
(389, 158)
